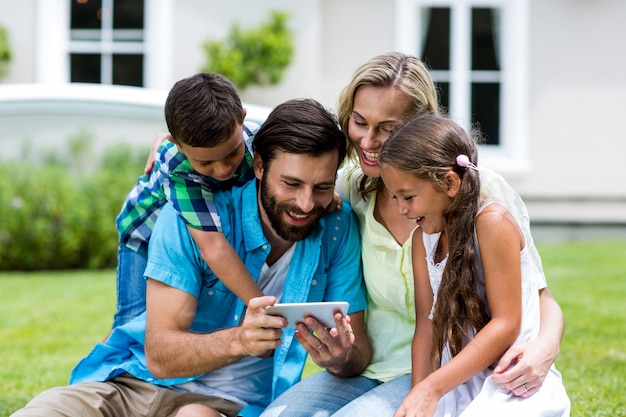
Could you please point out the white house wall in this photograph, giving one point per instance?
(577, 111)
(40, 118)
(576, 77)
(353, 32)
(332, 38)
(20, 23)
(578, 98)
(197, 21)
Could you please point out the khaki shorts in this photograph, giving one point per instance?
(121, 396)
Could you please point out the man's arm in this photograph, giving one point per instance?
(173, 351)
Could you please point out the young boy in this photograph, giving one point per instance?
(209, 150)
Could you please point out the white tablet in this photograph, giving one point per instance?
(296, 312)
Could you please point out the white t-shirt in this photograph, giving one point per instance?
(248, 379)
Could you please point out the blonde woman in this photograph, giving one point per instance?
(385, 92)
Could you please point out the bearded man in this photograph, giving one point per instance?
(198, 350)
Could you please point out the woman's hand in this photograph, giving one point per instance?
(336, 204)
(524, 367)
(158, 140)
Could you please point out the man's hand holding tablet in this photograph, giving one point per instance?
(297, 312)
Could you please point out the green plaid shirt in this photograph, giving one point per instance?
(173, 180)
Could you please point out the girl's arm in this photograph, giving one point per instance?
(500, 242)
(422, 338)
(526, 363)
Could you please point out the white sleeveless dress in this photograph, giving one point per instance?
(480, 397)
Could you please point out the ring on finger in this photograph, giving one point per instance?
(319, 347)
(525, 389)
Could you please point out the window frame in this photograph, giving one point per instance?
(511, 154)
(106, 46)
(54, 46)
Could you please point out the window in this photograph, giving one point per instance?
(475, 50)
(482, 69)
(107, 42)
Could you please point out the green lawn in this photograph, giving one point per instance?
(48, 321)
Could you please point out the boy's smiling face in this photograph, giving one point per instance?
(219, 162)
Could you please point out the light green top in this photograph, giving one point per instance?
(388, 274)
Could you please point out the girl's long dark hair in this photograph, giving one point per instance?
(427, 147)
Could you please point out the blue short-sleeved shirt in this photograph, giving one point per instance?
(326, 266)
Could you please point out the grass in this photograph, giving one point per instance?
(48, 321)
(589, 281)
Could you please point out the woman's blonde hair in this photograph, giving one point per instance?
(394, 69)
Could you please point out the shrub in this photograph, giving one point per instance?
(5, 52)
(258, 56)
(60, 214)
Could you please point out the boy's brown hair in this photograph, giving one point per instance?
(203, 110)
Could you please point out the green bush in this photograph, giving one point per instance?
(5, 52)
(58, 214)
(258, 56)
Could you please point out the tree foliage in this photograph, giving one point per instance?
(5, 52)
(257, 56)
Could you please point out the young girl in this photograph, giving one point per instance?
(475, 293)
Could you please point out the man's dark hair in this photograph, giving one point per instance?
(299, 126)
(203, 110)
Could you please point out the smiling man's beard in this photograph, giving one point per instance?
(286, 231)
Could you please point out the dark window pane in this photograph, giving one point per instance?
(436, 52)
(85, 68)
(128, 70)
(484, 42)
(128, 14)
(443, 91)
(86, 14)
(486, 110)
